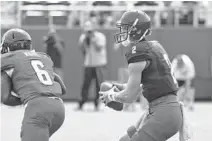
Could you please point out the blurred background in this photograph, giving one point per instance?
(182, 27)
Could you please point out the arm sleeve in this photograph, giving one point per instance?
(139, 55)
(138, 58)
(59, 80)
(81, 39)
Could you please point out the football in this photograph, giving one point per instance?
(105, 86)
(6, 85)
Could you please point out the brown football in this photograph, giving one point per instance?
(105, 86)
(6, 85)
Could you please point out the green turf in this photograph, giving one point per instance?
(106, 125)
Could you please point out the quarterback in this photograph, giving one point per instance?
(149, 65)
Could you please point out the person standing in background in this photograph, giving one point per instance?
(55, 49)
(93, 47)
(184, 72)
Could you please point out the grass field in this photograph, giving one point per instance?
(105, 125)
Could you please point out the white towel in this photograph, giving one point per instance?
(185, 132)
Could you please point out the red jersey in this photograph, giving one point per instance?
(157, 77)
(32, 74)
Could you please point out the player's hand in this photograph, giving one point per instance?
(120, 86)
(60, 81)
(107, 96)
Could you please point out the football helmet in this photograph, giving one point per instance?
(15, 39)
(134, 25)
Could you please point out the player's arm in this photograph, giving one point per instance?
(82, 44)
(122, 86)
(7, 61)
(11, 99)
(60, 81)
(8, 97)
(59, 44)
(129, 94)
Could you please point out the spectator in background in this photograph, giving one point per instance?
(93, 46)
(55, 49)
(184, 72)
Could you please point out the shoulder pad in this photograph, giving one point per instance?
(44, 54)
(137, 53)
(47, 56)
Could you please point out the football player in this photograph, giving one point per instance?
(34, 84)
(184, 72)
(123, 78)
(149, 65)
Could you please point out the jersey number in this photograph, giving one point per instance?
(42, 75)
(133, 49)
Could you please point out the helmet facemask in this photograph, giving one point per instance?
(4, 48)
(134, 33)
(16, 39)
(123, 36)
(125, 30)
(17, 45)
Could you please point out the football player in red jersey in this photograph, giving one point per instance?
(35, 85)
(149, 65)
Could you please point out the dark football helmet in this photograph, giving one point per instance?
(133, 25)
(16, 39)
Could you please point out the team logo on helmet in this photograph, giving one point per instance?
(133, 26)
